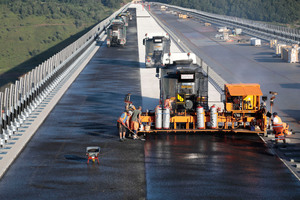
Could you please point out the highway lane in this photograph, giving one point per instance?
(53, 164)
(243, 63)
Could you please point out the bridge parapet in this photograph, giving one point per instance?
(21, 98)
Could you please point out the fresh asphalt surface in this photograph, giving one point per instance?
(215, 166)
(53, 164)
(240, 63)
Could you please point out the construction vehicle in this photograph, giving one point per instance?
(163, 8)
(244, 111)
(93, 154)
(156, 45)
(183, 82)
(116, 33)
(125, 17)
(183, 16)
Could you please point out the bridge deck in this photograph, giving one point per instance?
(53, 164)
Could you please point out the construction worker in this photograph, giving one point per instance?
(167, 103)
(236, 103)
(127, 101)
(127, 98)
(123, 122)
(136, 121)
(279, 128)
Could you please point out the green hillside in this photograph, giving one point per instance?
(33, 30)
(281, 11)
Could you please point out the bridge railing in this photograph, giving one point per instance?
(21, 98)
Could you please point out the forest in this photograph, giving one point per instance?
(33, 30)
(280, 11)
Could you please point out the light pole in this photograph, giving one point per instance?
(271, 104)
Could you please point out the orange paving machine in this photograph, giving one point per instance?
(243, 113)
(184, 105)
(243, 110)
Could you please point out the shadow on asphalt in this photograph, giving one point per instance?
(75, 158)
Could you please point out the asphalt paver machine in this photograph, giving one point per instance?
(184, 105)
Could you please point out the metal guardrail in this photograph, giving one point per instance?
(20, 99)
(267, 31)
(216, 80)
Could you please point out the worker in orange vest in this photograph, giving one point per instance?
(123, 123)
(279, 128)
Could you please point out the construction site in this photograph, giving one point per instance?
(209, 111)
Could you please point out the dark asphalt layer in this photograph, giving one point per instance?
(242, 63)
(53, 164)
(215, 167)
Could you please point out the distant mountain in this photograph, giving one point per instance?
(282, 11)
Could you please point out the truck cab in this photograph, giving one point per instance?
(116, 33)
(125, 17)
(156, 45)
(184, 81)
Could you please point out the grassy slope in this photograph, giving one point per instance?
(27, 40)
(22, 39)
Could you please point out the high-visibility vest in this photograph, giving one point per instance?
(279, 121)
(123, 119)
(278, 128)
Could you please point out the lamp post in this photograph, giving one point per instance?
(271, 104)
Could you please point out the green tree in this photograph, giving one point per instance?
(284, 11)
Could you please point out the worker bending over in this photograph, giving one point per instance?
(280, 129)
(136, 121)
(123, 122)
